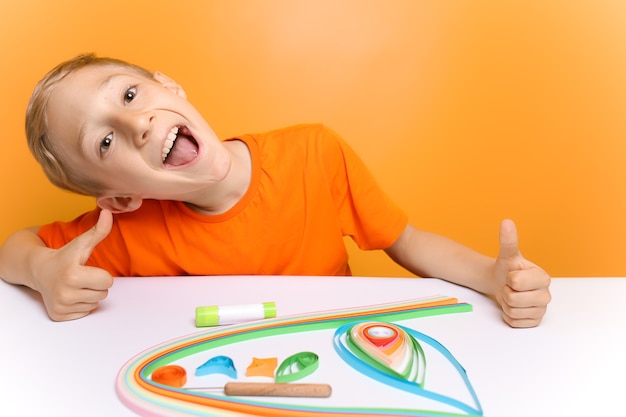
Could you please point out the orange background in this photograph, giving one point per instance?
(467, 111)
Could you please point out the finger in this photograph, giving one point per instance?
(83, 277)
(509, 245)
(86, 243)
(86, 295)
(522, 299)
(74, 304)
(523, 313)
(524, 309)
(94, 278)
(522, 322)
(523, 316)
(73, 312)
(528, 279)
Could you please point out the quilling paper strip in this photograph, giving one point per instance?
(147, 398)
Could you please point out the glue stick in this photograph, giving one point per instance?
(221, 315)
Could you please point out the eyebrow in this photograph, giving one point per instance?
(83, 127)
(108, 80)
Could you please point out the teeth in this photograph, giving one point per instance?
(169, 142)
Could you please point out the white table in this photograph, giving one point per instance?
(573, 364)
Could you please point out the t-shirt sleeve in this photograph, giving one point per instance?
(58, 234)
(366, 212)
(110, 254)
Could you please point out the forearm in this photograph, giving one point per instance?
(18, 256)
(429, 255)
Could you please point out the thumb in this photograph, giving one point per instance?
(509, 246)
(86, 243)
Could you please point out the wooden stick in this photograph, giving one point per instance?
(277, 389)
(270, 389)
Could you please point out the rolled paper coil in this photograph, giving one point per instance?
(170, 375)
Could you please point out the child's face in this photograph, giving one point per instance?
(117, 127)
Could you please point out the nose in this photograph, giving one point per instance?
(138, 126)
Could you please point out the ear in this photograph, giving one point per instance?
(120, 204)
(170, 84)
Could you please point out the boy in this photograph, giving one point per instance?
(187, 203)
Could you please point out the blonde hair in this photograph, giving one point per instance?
(49, 154)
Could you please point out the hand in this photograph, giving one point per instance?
(70, 289)
(521, 286)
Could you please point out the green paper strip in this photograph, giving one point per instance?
(297, 366)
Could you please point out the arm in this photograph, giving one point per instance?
(69, 288)
(519, 286)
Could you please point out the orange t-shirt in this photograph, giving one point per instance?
(308, 190)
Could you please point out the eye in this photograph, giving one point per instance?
(105, 144)
(130, 94)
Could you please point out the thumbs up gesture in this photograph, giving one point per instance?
(70, 289)
(522, 288)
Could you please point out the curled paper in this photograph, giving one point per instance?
(297, 366)
(170, 375)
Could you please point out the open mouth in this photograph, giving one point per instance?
(180, 147)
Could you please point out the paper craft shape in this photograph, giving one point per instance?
(262, 367)
(297, 367)
(392, 354)
(171, 375)
(385, 347)
(218, 365)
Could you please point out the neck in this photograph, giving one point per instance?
(221, 198)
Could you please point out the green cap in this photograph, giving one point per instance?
(207, 316)
(269, 310)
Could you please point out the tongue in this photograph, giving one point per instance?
(184, 151)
